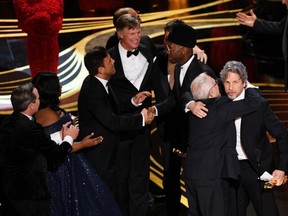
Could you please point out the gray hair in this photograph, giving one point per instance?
(201, 86)
(127, 20)
(234, 67)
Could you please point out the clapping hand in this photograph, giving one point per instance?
(70, 130)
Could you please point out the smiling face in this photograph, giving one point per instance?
(130, 38)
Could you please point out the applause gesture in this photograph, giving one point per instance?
(70, 130)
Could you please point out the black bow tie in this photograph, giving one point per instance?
(135, 52)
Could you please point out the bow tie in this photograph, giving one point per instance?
(135, 52)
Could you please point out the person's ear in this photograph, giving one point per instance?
(120, 34)
(101, 70)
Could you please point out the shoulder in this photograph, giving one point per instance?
(46, 117)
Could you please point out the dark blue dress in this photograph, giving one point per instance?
(76, 189)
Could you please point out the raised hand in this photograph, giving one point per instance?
(245, 19)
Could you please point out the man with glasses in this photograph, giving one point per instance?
(181, 41)
(211, 159)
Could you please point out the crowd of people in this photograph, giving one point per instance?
(98, 163)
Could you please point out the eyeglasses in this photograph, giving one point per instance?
(216, 83)
(169, 49)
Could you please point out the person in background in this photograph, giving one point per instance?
(255, 152)
(75, 186)
(211, 162)
(24, 147)
(99, 112)
(269, 27)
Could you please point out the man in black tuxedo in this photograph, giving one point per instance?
(180, 43)
(24, 148)
(211, 161)
(113, 39)
(270, 27)
(255, 152)
(98, 110)
(135, 71)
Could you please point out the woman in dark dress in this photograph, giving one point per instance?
(76, 189)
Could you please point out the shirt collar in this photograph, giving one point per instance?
(103, 81)
(186, 65)
(28, 116)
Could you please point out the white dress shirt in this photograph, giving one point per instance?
(134, 67)
(241, 153)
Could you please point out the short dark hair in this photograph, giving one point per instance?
(94, 59)
(49, 89)
(22, 96)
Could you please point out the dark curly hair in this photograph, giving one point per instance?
(49, 89)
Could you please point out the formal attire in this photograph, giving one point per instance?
(276, 28)
(256, 155)
(178, 136)
(134, 74)
(98, 112)
(76, 188)
(211, 155)
(23, 151)
(112, 41)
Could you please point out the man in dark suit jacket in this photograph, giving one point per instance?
(181, 41)
(98, 111)
(24, 147)
(255, 152)
(134, 72)
(211, 156)
(270, 27)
